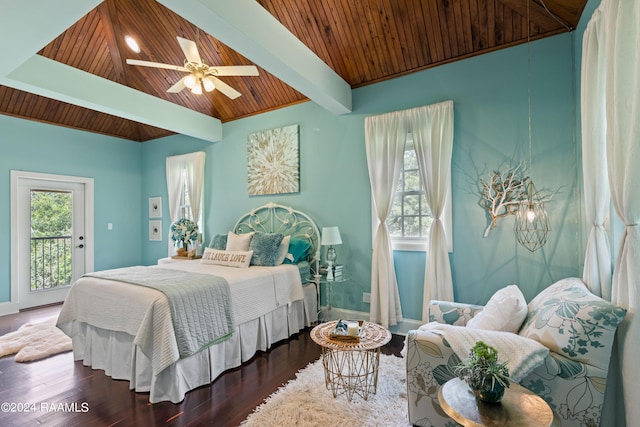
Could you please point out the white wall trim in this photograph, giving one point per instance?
(8, 308)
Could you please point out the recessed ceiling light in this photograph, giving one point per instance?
(132, 43)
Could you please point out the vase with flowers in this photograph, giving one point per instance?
(183, 231)
(486, 377)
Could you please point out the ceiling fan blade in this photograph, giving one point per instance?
(225, 88)
(233, 70)
(178, 86)
(156, 65)
(190, 50)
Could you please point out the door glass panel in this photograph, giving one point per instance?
(51, 244)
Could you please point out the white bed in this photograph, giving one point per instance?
(126, 330)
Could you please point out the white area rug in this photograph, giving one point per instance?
(305, 401)
(35, 341)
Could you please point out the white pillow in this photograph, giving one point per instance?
(240, 259)
(283, 250)
(239, 242)
(505, 311)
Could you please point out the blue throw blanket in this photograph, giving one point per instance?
(200, 304)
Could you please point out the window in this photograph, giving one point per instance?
(410, 219)
(185, 199)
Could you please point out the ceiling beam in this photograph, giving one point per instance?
(27, 27)
(45, 77)
(249, 29)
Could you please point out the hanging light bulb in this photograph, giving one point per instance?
(531, 213)
(197, 89)
(208, 84)
(190, 81)
(532, 226)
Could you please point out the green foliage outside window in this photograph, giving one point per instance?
(51, 245)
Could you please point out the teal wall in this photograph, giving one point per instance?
(115, 166)
(491, 131)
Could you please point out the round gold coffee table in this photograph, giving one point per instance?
(518, 407)
(351, 368)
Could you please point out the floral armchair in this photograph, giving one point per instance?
(576, 326)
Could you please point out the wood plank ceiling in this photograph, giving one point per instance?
(364, 42)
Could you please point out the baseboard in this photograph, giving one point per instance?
(404, 326)
(8, 308)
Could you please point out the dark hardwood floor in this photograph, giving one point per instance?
(97, 400)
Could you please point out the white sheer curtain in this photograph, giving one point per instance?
(432, 130)
(385, 138)
(178, 168)
(194, 169)
(622, 29)
(597, 261)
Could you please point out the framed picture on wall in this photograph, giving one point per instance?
(273, 161)
(155, 229)
(155, 207)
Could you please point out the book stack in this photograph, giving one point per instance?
(337, 272)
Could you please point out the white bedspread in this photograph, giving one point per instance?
(145, 314)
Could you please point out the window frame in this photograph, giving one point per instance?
(412, 244)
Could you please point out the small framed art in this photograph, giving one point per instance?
(155, 207)
(155, 229)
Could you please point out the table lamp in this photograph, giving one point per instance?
(330, 237)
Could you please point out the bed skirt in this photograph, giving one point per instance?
(115, 353)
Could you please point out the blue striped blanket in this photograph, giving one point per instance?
(200, 304)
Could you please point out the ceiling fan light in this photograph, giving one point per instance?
(197, 90)
(208, 84)
(190, 81)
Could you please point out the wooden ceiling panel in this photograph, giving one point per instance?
(23, 104)
(363, 42)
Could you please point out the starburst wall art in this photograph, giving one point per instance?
(273, 161)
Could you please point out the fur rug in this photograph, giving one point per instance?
(305, 401)
(34, 341)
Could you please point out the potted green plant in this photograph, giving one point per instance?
(486, 377)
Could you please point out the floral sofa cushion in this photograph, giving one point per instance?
(452, 313)
(571, 321)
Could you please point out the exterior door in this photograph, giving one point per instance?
(52, 238)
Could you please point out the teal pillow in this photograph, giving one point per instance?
(298, 249)
(219, 242)
(265, 248)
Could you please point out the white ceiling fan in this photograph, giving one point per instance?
(201, 76)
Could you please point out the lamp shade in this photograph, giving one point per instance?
(190, 81)
(331, 236)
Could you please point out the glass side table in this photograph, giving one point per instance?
(329, 284)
